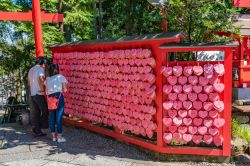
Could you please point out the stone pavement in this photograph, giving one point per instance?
(19, 148)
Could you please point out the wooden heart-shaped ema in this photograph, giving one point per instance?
(182, 113)
(203, 81)
(193, 80)
(166, 71)
(219, 105)
(218, 140)
(177, 121)
(208, 139)
(172, 113)
(219, 87)
(198, 70)
(167, 89)
(177, 137)
(187, 137)
(219, 69)
(192, 96)
(168, 105)
(188, 70)
(208, 89)
(187, 88)
(214, 97)
(177, 88)
(197, 139)
(182, 97)
(219, 122)
(167, 137)
(208, 122)
(182, 129)
(172, 96)
(187, 121)
(182, 80)
(177, 70)
(192, 130)
(172, 80)
(197, 89)
(167, 121)
(177, 105)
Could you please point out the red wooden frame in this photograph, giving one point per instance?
(160, 56)
(241, 3)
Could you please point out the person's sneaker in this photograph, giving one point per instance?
(61, 139)
(54, 139)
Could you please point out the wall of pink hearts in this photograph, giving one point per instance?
(127, 89)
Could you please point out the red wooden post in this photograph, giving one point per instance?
(36, 13)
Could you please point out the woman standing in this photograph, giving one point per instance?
(56, 86)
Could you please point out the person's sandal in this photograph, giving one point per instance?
(54, 138)
(60, 139)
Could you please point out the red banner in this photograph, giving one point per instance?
(241, 3)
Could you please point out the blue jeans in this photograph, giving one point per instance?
(55, 116)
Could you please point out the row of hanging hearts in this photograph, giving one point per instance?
(217, 140)
(98, 84)
(131, 124)
(126, 108)
(150, 78)
(209, 70)
(113, 54)
(105, 69)
(100, 63)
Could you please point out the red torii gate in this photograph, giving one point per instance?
(37, 17)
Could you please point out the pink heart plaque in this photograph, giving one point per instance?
(172, 113)
(197, 139)
(172, 96)
(192, 113)
(193, 80)
(177, 88)
(208, 89)
(177, 121)
(208, 139)
(214, 97)
(167, 89)
(182, 80)
(192, 130)
(202, 97)
(219, 69)
(177, 137)
(213, 131)
(167, 121)
(218, 140)
(187, 105)
(182, 129)
(172, 129)
(182, 113)
(197, 105)
(177, 105)
(167, 71)
(219, 122)
(203, 81)
(187, 121)
(188, 70)
(213, 114)
(197, 121)
(208, 122)
(219, 106)
(219, 87)
(177, 70)
(167, 137)
(202, 130)
(168, 105)
(172, 80)
(203, 114)
(187, 137)
(197, 88)
(208, 106)
(187, 88)
(213, 80)
(182, 97)
(192, 96)
(198, 70)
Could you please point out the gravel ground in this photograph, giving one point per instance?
(82, 148)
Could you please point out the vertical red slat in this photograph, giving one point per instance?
(228, 102)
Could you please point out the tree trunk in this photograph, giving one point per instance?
(130, 17)
(60, 10)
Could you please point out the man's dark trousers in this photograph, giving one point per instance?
(39, 113)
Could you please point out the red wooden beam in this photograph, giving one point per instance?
(27, 16)
(241, 3)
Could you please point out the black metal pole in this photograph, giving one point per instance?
(100, 19)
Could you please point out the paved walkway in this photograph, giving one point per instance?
(84, 148)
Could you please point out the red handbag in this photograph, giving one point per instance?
(53, 102)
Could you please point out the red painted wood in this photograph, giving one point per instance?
(160, 56)
(27, 16)
(142, 143)
(241, 3)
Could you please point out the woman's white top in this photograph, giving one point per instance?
(54, 83)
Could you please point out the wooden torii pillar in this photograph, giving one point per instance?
(37, 17)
